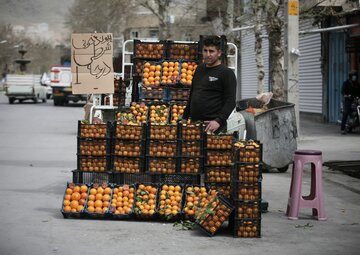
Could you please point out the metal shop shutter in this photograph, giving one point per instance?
(310, 77)
(248, 72)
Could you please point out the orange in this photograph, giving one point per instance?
(93, 191)
(98, 196)
(67, 208)
(75, 196)
(74, 204)
(98, 203)
(184, 65)
(165, 63)
(76, 189)
(107, 190)
(66, 202)
(69, 191)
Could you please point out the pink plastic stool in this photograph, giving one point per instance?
(315, 199)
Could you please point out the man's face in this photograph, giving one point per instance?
(211, 55)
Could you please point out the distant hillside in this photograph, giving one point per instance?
(32, 12)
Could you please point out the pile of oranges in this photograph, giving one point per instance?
(170, 72)
(195, 198)
(187, 72)
(123, 199)
(151, 74)
(177, 112)
(99, 198)
(139, 112)
(170, 200)
(145, 204)
(75, 198)
(158, 114)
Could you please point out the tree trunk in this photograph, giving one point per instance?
(276, 70)
(258, 10)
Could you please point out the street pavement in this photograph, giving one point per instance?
(38, 152)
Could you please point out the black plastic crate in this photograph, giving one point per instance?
(247, 172)
(214, 214)
(247, 210)
(178, 178)
(247, 228)
(129, 132)
(162, 165)
(132, 178)
(135, 115)
(191, 148)
(224, 188)
(149, 93)
(170, 72)
(194, 197)
(138, 65)
(183, 50)
(191, 131)
(246, 191)
(191, 165)
(219, 141)
(68, 209)
(149, 49)
(162, 132)
(179, 94)
(169, 204)
(86, 130)
(219, 157)
(93, 147)
(248, 151)
(128, 148)
(93, 163)
(162, 148)
(103, 202)
(91, 177)
(123, 201)
(147, 196)
(128, 164)
(218, 174)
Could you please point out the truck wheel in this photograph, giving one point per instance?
(283, 169)
(44, 100)
(56, 102)
(11, 100)
(35, 100)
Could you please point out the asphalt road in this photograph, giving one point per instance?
(37, 154)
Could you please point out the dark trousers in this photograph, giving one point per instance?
(346, 111)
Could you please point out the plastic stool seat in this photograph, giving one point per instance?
(316, 198)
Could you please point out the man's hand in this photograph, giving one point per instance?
(211, 126)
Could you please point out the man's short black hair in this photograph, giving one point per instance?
(213, 40)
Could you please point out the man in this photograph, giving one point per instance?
(213, 91)
(349, 91)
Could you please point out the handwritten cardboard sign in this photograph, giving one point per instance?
(92, 63)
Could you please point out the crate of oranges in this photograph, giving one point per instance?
(176, 112)
(151, 74)
(248, 151)
(145, 201)
(149, 49)
(187, 72)
(247, 228)
(195, 198)
(184, 51)
(247, 172)
(123, 201)
(218, 174)
(212, 216)
(170, 198)
(99, 200)
(93, 131)
(158, 113)
(170, 73)
(74, 200)
(179, 94)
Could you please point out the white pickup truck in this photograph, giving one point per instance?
(24, 87)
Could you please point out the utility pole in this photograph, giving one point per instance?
(292, 54)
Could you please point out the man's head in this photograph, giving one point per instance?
(212, 51)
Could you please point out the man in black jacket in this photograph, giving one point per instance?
(349, 91)
(213, 91)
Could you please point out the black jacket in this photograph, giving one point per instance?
(212, 95)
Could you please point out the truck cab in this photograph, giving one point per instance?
(60, 81)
